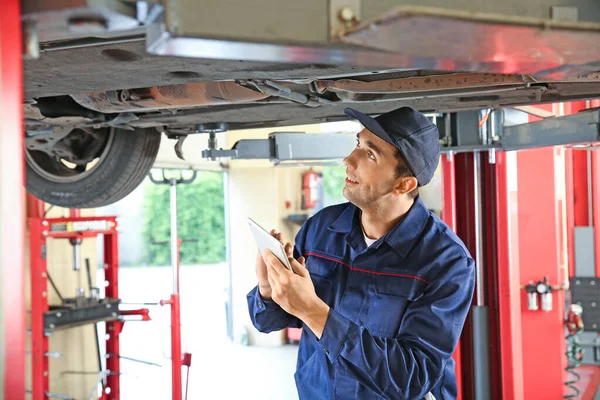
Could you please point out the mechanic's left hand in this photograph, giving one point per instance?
(295, 292)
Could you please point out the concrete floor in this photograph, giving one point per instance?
(220, 369)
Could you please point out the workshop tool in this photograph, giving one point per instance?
(176, 356)
(76, 243)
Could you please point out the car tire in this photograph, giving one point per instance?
(128, 158)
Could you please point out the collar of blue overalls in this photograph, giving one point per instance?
(401, 238)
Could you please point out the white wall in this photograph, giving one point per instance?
(258, 190)
(431, 194)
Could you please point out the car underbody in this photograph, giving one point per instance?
(122, 68)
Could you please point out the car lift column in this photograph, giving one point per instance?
(448, 170)
(541, 252)
(595, 187)
(509, 290)
(582, 167)
(174, 300)
(477, 225)
(596, 205)
(480, 316)
(12, 215)
(459, 174)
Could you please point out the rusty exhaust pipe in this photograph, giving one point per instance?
(420, 83)
(186, 95)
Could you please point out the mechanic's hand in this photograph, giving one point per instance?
(295, 292)
(264, 287)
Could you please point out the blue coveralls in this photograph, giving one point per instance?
(397, 307)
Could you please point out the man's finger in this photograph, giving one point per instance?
(289, 249)
(273, 281)
(299, 268)
(277, 265)
(271, 260)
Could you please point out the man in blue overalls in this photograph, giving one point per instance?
(380, 285)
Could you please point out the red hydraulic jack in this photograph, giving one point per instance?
(177, 359)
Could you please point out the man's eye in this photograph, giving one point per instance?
(371, 155)
(357, 143)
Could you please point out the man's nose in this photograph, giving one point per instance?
(349, 161)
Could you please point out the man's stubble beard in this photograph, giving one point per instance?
(363, 201)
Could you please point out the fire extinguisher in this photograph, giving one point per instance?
(310, 190)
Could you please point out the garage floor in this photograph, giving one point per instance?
(220, 369)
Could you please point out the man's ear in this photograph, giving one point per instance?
(405, 185)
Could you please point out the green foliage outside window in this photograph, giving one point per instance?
(333, 183)
(201, 216)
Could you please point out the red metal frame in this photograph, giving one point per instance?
(511, 346)
(580, 187)
(40, 229)
(596, 205)
(577, 196)
(596, 196)
(39, 305)
(176, 361)
(449, 217)
(35, 207)
(458, 178)
(488, 176)
(570, 208)
(463, 166)
(114, 328)
(12, 211)
(539, 225)
(448, 190)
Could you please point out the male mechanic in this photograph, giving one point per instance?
(380, 285)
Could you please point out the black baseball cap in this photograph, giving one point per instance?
(412, 133)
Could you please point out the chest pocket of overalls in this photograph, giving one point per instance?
(387, 303)
(321, 275)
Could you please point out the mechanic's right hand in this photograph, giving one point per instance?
(264, 287)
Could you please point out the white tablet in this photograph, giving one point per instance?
(265, 241)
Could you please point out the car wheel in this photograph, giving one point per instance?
(88, 168)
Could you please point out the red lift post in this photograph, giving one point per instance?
(596, 205)
(524, 214)
(541, 254)
(12, 212)
(177, 358)
(509, 304)
(583, 210)
(449, 216)
(596, 197)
